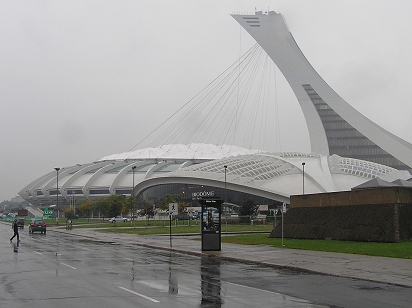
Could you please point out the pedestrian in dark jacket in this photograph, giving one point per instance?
(16, 231)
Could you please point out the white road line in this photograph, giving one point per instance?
(252, 288)
(39, 253)
(129, 259)
(68, 265)
(141, 295)
(163, 286)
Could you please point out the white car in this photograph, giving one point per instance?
(118, 219)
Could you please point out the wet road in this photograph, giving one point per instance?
(58, 270)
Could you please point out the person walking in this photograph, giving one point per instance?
(16, 231)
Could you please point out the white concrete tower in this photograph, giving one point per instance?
(334, 126)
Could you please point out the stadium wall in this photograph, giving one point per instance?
(370, 215)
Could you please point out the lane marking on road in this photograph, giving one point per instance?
(67, 265)
(164, 287)
(39, 253)
(252, 288)
(129, 259)
(141, 295)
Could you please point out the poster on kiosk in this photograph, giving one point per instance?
(211, 218)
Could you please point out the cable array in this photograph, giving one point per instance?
(235, 108)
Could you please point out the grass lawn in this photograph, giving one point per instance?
(393, 250)
(137, 226)
(179, 229)
(153, 230)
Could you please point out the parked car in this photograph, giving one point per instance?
(20, 223)
(118, 219)
(37, 226)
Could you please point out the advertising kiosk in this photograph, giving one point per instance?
(211, 218)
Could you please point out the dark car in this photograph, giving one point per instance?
(37, 226)
(20, 223)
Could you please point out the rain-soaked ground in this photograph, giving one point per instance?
(58, 270)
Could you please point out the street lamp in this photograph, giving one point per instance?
(57, 192)
(225, 184)
(303, 178)
(133, 169)
(225, 198)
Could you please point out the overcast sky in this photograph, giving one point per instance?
(80, 80)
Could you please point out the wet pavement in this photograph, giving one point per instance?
(377, 269)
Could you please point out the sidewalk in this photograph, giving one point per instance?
(378, 269)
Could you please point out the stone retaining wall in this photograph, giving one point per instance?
(371, 221)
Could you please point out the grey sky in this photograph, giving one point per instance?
(80, 80)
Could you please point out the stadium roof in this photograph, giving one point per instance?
(271, 175)
(183, 151)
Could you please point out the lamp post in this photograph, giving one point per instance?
(225, 183)
(133, 203)
(225, 198)
(303, 178)
(57, 192)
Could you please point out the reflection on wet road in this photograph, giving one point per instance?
(57, 269)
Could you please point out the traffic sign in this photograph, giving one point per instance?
(173, 209)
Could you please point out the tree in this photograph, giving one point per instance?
(154, 200)
(130, 205)
(69, 212)
(103, 206)
(147, 208)
(87, 207)
(182, 206)
(117, 204)
(248, 210)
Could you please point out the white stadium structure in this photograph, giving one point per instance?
(274, 176)
(347, 149)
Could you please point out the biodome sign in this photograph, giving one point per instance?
(202, 194)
